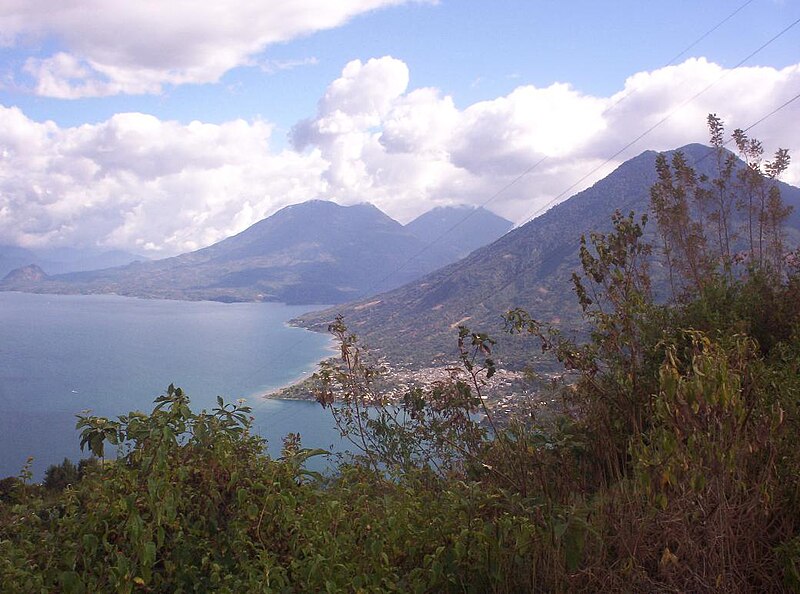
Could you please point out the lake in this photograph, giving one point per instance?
(62, 354)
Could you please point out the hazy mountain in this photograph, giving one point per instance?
(314, 252)
(12, 257)
(62, 260)
(529, 267)
(67, 259)
(26, 274)
(459, 230)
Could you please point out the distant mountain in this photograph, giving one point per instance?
(65, 259)
(314, 252)
(12, 257)
(529, 267)
(459, 230)
(62, 260)
(26, 274)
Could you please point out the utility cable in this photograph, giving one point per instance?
(375, 287)
(535, 165)
(710, 152)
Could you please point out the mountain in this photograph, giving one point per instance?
(314, 252)
(67, 259)
(62, 260)
(529, 267)
(26, 274)
(459, 230)
(12, 257)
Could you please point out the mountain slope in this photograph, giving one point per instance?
(529, 267)
(314, 252)
(459, 230)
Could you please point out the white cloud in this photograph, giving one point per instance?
(410, 150)
(516, 130)
(139, 183)
(272, 66)
(421, 122)
(356, 101)
(111, 47)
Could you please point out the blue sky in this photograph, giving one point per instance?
(128, 125)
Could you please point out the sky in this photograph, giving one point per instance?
(162, 127)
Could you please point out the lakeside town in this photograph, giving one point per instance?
(508, 393)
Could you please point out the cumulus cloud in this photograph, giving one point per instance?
(143, 184)
(529, 123)
(137, 47)
(404, 149)
(139, 183)
(356, 101)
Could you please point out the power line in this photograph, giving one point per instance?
(753, 125)
(277, 421)
(772, 113)
(661, 121)
(684, 51)
(535, 165)
(757, 122)
(375, 286)
(710, 31)
(639, 137)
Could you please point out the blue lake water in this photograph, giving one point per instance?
(61, 354)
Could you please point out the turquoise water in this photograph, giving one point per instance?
(62, 354)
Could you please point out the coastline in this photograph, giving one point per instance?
(298, 388)
(293, 389)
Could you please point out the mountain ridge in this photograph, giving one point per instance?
(62, 260)
(529, 267)
(312, 252)
(460, 229)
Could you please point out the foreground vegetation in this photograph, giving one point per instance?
(673, 465)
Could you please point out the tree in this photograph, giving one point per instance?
(696, 216)
(58, 477)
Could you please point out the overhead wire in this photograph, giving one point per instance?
(538, 163)
(540, 210)
(662, 120)
(531, 168)
(710, 152)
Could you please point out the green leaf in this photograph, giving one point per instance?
(90, 543)
(70, 582)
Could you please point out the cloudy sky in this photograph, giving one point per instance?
(160, 127)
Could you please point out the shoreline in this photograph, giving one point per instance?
(284, 391)
(295, 384)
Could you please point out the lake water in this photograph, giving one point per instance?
(61, 354)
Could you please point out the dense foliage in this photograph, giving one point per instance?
(671, 466)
